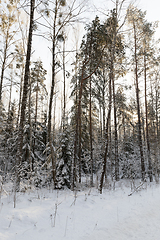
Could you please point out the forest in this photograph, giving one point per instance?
(93, 115)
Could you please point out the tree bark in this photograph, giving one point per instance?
(80, 127)
(24, 97)
(90, 130)
(3, 65)
(107, 137)
(115, 134)
(19, 103)
(138, 105)
(64, 84)
(50, 136)
(76, 134)
(114, 99)
(147, 132)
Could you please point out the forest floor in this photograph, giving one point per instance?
(45, 214)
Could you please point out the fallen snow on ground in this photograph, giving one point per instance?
(82, 215)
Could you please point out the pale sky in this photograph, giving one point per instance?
(153, 11)
(151, 6)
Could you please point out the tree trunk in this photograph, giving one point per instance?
(35, 122)
(113, 88)
(76, 134)
(115, 134)
(24, 97)
(157, 121)
(100, 120)
(36, 106)
(103, 105)
(156, 140)
(80, 128)
(138, 105)
(10, 94)
(90, 131)
(19, 104)
(50, 136)
(64, 84)
(75, 150)
(30, 135)
(3, 65)
(107, 137)
(147, 132)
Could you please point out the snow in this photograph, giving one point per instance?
(83, 215)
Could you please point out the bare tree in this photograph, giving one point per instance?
(8, 31)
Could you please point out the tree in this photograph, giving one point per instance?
(147, 52)
(90, 56)
(115, 52)
(135, 17)
(60, 19)
(153, 114)
(63, 168)
(32, 133)
(25, 91)
(20, 66)
(38, 76)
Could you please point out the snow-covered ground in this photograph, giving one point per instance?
(83, 215)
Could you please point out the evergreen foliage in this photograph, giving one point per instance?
(109, 128)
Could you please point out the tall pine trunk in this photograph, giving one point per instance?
(64, 84)
(156, 146)
(50, 133)
(79, 123)
(147, 132)
(113, 50)
(35, 122)
(3, 65)
(10, 94)
(115, 134)
(76, 134)
(107, 136)
(30, 132)
(24, 97)
(19, 103)
(90, 130)
(138, 105)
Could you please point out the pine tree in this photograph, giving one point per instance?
(135, 17)
(89, 61)
(63, 168)
(115, 52)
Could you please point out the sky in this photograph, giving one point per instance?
(152, 7)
